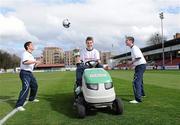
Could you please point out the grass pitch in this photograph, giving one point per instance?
(161, 106)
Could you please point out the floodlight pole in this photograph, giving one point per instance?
(162, 39)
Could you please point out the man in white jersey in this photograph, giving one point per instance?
(28, 80)
(139, 62)
(88, 54)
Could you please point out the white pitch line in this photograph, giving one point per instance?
(2, 121)
(4, 100)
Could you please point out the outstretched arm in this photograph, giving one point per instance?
(28, 62)
(133, 61)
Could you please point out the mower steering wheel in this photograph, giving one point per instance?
(88, 63)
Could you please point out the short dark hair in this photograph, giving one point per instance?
(89, 38)
(130, 38)
(27, 44)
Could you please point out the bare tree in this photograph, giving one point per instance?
(155, 39)
(8, 61)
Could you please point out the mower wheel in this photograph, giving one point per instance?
(118, 106)
(81, 110)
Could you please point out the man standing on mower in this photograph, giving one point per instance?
(139, 62)
(88, 54)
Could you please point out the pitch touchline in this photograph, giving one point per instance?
(2, 121)
(4, 100)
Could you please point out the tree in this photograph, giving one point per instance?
(155, 39)
(8, 61)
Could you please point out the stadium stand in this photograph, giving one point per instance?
(153, 55)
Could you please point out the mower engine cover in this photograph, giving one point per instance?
(97, 86)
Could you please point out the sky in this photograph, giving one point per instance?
(108, 21)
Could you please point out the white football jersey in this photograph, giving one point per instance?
(87, 55)
(27, 56)
(136, 53)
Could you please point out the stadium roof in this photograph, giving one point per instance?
(50, 65)
(169, 43)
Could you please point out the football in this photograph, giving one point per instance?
(66, 23)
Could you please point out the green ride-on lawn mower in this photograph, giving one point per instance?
(97, 91)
